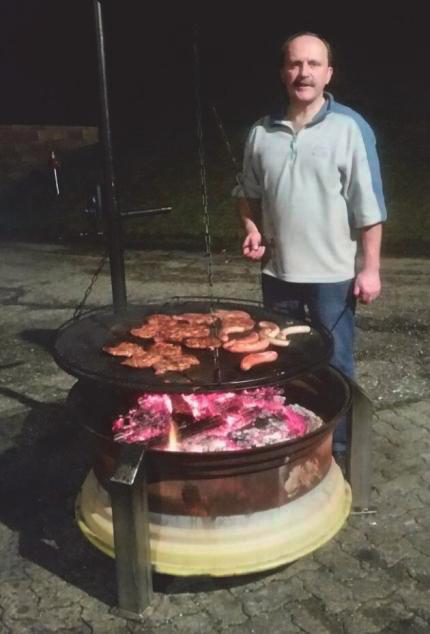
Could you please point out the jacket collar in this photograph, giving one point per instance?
(277, 117)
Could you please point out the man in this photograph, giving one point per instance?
(310, 189)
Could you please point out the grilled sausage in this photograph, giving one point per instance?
(293, 330)
(231, 329)
(262, 344)
(269, 328)
(257, 358)
(251, 338)
(277, 341)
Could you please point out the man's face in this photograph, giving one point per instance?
(306, 71)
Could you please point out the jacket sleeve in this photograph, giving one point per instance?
(248, 182)
(362, 178)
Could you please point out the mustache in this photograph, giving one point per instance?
(304, 82)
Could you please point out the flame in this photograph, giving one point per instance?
(173, 437)
(197, 404)
(230, 420)
(168, 403)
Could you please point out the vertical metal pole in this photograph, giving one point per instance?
(128, 491)
(110, 206)
(359, 468)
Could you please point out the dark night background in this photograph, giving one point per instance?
(49, 74)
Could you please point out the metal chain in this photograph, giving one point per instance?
(202, 159)
(238, 170)
(80, 307)
(227, 142)
(203, 179)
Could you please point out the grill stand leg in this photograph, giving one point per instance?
(128, 491)
(359, 452)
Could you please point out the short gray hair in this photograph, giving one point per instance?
(287, 42)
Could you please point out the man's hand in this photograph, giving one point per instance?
(252, 246)
(367, 285)
(250, 214)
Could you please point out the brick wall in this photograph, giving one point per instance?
(26, 147)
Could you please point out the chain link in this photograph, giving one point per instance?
(202, 161)
(227, 144)
(80, 307)
(203, 179)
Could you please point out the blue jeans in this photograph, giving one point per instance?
(329, 304)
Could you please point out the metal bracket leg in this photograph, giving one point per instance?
(359, 455)
(128, 491)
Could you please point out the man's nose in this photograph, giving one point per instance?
(304, 69)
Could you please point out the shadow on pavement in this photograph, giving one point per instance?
(41, 470)
(45, 462)
(42, 337)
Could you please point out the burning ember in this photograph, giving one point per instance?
(173, 437)
(217, 421)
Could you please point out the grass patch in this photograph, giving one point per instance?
(167, 173)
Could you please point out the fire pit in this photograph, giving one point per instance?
(216, 512)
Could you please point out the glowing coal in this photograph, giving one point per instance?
(217, 421)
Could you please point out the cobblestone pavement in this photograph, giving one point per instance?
(374, 576)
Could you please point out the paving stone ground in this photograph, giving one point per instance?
(374, 576)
